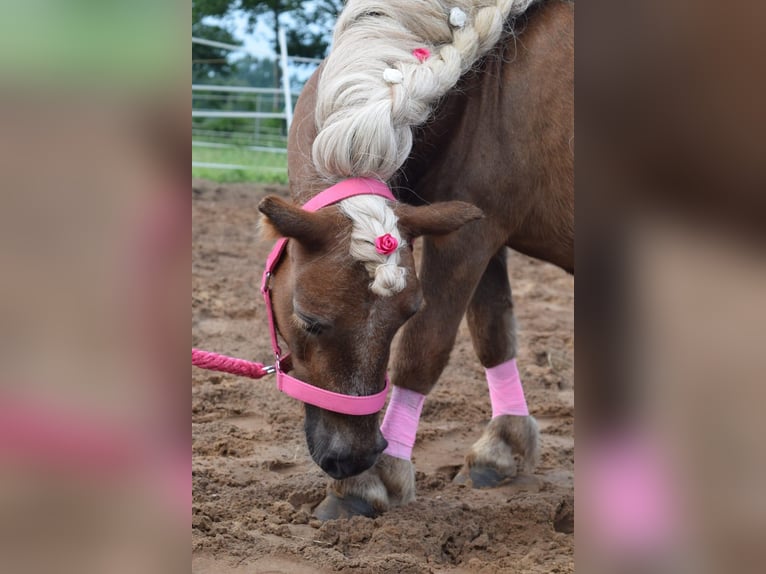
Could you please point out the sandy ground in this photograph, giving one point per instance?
(255, 484)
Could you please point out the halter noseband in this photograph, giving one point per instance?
(328, 400)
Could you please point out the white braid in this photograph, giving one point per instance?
(372, 217)
(364, 119)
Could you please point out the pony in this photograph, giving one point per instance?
(465, 111)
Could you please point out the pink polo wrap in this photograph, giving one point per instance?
(505, 390)
(400, 425)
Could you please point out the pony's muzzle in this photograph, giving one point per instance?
(344, 463)
(343, 445)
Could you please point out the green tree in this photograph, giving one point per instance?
(209, 63)
(314, 22)
(308, 23)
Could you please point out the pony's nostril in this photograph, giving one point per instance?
(332, 466)
(344, 467)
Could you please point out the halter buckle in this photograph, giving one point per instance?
(266, 286)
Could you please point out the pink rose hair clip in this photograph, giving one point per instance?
(422, 54)
(386, 244)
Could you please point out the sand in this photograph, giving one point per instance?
(255, 485)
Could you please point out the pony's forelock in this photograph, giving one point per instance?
(372, 217)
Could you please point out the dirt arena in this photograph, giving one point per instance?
(255, 484)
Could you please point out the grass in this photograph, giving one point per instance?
(261, 167)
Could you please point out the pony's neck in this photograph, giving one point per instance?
(305, 181)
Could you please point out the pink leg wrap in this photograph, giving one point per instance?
(505, 390)
(400, 425)
(634, 506)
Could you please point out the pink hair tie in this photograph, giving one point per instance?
(386, 244)
(422, 54)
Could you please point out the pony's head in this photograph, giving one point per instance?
(345, 285)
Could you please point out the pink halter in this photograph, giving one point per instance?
(328, 400)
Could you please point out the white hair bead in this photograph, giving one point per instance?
(392, 76)
(457, 17)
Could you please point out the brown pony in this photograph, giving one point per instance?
(493, 168)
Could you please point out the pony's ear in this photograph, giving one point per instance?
(437, 218)
(283, 219)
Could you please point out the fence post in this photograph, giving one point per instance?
(285, 78)
(257, 121)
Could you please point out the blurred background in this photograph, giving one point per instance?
(670, 314)
(94, 259)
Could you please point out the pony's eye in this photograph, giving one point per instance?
(312, 328)
(310, 325)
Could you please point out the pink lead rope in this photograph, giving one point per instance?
(224, 364)
(328, 400)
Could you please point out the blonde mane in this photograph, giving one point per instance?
(375, 88)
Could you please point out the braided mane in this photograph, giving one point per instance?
(377, 85)
(364, 115)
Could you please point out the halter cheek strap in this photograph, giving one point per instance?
(328, 400)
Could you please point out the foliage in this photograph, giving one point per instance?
(208, 62)
(308, 23)
(310, 36)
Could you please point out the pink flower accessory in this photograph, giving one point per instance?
(386, 244)
(422, 54)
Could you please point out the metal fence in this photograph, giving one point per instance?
(238, 125)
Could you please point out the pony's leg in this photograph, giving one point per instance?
(512, 432)
(423, 351)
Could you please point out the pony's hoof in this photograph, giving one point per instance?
(487, 477)
(334, 507)
(480, 476)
